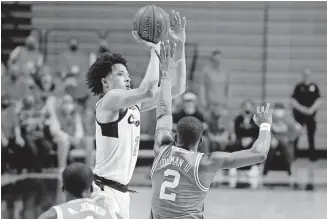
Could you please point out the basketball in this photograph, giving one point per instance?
(151, 23)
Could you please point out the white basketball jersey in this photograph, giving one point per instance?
(117, 146)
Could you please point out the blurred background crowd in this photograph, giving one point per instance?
(235, 62)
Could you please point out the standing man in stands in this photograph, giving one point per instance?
(306, 102)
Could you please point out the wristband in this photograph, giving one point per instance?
(265, 126)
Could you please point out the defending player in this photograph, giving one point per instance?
(77, 185)
(118, 115)
(181, 176)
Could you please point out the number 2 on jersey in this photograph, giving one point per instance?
(167, 184)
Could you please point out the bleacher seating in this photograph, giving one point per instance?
(297, 34)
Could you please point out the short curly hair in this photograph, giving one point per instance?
(189, 130)
(101, 68)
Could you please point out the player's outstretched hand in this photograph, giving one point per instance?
(263, 115)
(176, 31)
(147, 44)
(166, 57)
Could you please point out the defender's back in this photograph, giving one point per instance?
(177, 190)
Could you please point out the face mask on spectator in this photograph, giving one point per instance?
(73, 47)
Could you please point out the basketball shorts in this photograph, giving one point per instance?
(116, 201)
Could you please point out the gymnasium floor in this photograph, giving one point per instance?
(27, 196)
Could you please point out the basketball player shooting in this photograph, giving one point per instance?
(181, 176)
(77, 181)
(118, 115)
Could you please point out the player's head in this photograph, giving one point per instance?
(108, 72)
(77, 181)
(189, 103)
(189, 132)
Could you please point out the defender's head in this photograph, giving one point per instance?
(189, 132)
(108, 72)
(77, 181)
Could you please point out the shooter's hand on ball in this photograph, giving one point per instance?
(149, 45)
(176, 31)
(166, 57)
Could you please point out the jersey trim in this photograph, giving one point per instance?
(196, 173)
(137, 106)
(155, 163)
(59, 212)
(121, 116)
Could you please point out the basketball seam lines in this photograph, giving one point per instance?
(166, 25)
(154, 23)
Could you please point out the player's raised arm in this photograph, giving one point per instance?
(176, 36)
(256, 154)
(118, 99)
(164, 117)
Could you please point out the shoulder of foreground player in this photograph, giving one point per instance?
(49, 214)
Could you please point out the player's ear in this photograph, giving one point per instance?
(175, 137)
(201, 140)
(105, 82)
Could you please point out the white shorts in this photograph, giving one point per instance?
(115, 200)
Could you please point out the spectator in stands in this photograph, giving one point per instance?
(246, 131)
(67, 128)
(73, 62)
(214, 80)
(11, 139)
(218, 134)
(15, 85)
(26, 60)
(189, 108)
(103, 46)
(305, 102)
(284, 131)
(32, 123)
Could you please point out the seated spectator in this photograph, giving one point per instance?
(26, 60)
(66, 127)
(32, 123)
(189, 108)
(246, 131)
(284, 131)
(73, 61)
(15, 86)
(218, 134)
(12, 142)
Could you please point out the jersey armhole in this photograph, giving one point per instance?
(59, 212)
(196, 173)
(155, 162)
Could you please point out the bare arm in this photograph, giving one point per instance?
(177, 65)
(117, 99)
(164, 117)
(49, 214)
(257, 154)
(179, 85)
(315, 106)
(299, 107)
